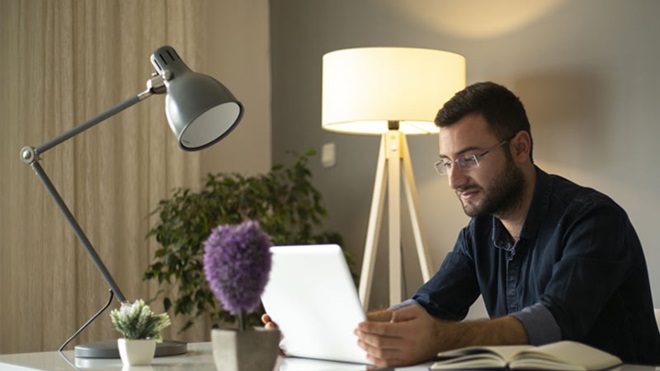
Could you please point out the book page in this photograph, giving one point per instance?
(470, 361)
(477, 357)
(563, 355)
(565, 352)
(505, 352)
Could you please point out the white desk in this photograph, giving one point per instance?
(198, 358)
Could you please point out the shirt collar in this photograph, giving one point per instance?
(500, 236)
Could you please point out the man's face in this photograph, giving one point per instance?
(496, 185)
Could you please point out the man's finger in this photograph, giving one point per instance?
(377, 341)
(382, 357)
(268, 322)
(391, 329)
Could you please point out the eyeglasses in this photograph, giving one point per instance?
(467, 162)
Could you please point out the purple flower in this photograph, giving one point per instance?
(237, 262)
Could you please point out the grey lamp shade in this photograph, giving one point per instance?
(199, 109)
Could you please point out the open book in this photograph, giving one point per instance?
(563, 355)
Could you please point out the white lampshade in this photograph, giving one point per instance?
(364, 88)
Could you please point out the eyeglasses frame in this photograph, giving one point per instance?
(463, 160)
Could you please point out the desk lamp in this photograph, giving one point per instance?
(391, 92)
(200, 111)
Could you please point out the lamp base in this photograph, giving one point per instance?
(108, 349)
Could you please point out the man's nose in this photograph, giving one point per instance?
(456, 177)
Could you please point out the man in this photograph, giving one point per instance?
(552, 260)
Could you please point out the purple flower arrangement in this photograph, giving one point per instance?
(237, 262)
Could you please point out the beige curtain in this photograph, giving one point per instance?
(62, 63)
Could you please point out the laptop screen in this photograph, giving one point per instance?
(313, 299)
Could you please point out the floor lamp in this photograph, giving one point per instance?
(200, 111)
(391, 92)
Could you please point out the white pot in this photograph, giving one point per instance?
(251, 350)
(136, 352)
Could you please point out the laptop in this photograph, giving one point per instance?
(313, 299)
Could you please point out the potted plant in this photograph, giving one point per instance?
(141, 330)
(284, 202)
(237, 262)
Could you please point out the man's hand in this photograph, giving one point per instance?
(410, 337)
(413, 336)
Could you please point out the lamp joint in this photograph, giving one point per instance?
(156, 84)
(29, 155)
(393, 125)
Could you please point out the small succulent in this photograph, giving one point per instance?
(237, 262)
(137, 321)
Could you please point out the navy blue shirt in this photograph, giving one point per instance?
(577, 272)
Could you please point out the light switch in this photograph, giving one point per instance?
(328, 158)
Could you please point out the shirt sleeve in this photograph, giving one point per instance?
(594, 263)
(453, 288)
(404, 304)
(540, 326)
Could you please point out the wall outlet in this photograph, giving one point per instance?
(328, 157)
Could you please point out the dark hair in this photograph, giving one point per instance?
(502, 110)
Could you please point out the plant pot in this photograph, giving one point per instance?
(251, 350)
(136, 352)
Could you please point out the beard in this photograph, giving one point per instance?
(503, 194)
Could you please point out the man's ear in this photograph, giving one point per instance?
(521, 146)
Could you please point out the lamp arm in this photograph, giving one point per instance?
(30, 156)
(73, 223)
(90, 123)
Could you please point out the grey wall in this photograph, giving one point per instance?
(586, 70)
